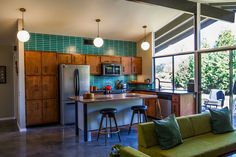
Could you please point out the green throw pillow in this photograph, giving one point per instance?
(220, 121)
(168, 132)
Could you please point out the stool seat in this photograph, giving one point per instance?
(139, 107)
(108, 110)
(108, 113)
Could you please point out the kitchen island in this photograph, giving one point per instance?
(87, 116)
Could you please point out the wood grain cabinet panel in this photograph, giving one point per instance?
(78, 59)
(126, 65)
(32, 63)
(111, 59)
(50, 111)
(95, 64)
(49, 63)
(136, 65)
(64, 58)
(33, 87)
(34, 112)
(49, 87)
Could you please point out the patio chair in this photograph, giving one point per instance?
(216, 99)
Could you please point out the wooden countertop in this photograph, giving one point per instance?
(113, 97)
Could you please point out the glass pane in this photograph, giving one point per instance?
(184, 72)
(215, 79)
(163, 72)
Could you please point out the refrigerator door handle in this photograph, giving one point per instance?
(76, 82)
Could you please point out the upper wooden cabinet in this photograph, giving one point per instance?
(78, 59)
(32, 63)
(49, 87)
(64, 58)
(126, 65)
(136, 65)
(95, 64)
(33, 87)
(49, 63)
(111, 59)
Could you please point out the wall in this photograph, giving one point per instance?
(6, 90)
(147, 63)
(71, 44)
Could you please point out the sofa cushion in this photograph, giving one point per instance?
(168, 132)
(220, 120)
(206, 145)
(201, 123)
(146, 135)
(186, 128)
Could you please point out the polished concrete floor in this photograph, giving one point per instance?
(56, 141)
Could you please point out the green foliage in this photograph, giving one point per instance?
(214, 66)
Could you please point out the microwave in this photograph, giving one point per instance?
(111, 69)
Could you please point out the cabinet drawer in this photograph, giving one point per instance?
(175, 98)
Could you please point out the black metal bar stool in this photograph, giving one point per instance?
(140, 110)
(108, 113)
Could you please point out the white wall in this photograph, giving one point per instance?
(6, 90)
(147, 68)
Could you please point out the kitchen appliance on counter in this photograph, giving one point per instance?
(74, 80)
(110, 69)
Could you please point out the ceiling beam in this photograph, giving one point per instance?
(191, 7)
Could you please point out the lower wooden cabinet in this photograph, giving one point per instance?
(34, 112)
(42, 112)
(183, 104)
(50, 111)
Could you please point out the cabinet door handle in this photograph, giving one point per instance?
(123, 69)
(134, 69)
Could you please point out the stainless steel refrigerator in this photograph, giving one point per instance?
(74, 80)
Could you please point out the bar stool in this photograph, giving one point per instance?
(140, 110)
(108, 113)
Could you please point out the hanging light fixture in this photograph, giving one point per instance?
(23, 35)
(98, 41)
(145, 45)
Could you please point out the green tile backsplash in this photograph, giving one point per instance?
(72, 44)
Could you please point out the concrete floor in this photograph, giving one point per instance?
(56, 141)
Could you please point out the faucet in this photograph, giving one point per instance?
(159, 83)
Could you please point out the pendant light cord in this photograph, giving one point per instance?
(98, 30)
(145, 34)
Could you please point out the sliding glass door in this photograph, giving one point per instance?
(217, 75)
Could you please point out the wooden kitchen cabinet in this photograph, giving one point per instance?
(49, 87)
(136, 65)
(33, 87)
(63, 58)
(126, 65)
(183, 104)
(50, 111)
(49, 63)
(111, 59)
(95, 64)
(78, 59)
(34, 112)
(32, 63)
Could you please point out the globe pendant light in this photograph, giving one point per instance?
(98, 41)
(145, 45)
(23, 35)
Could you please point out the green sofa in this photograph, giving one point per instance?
(198, 140)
